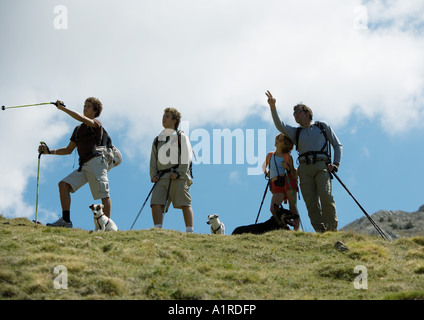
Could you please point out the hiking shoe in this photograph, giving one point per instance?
(60, 223)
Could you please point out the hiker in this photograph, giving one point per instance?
(312, 139)
(92, 163)
(283, 176)
(170, 169)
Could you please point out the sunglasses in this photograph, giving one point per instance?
(298, 111)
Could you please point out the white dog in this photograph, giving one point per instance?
(101, 222)
(217, 227)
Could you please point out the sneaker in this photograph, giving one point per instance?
(60, 223)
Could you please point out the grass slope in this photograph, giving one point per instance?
(166, 264)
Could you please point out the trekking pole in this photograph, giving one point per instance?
(142, 207)
(27, 105)
(167, 198)
(382, 234)
(38, 181)
(263, 198)
(165, 209)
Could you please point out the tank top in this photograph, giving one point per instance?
(273, 170)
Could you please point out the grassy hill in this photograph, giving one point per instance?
(166, 264)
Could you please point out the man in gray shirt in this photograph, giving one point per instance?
(315, 164)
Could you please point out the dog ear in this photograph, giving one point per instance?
(91, 206)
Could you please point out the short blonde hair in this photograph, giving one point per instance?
(176, 115)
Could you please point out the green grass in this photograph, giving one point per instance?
(166, 264)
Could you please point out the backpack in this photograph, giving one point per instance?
(112, 153)
(314, 153)
(190, 166)
(286, 155)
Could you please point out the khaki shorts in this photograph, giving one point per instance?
(179, 194)
(94, 172)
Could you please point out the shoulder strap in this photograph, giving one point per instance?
(156, 142)
(327, 142)
(105, 139)
(179, 153)
(320, 126)
(297, 137)
(268, 158)
(179, 142)
(76, 131)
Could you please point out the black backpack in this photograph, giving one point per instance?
(315, 153)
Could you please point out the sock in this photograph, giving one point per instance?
(66, 215)
(189, 229)
(158, 226)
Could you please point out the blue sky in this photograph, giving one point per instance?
(357, 64)
(374, 168)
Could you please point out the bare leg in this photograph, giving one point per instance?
(293, 208)
(65, 195)
(107, 203)
(188, 216)
(157, 214)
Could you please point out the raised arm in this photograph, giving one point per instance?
(280, 125)
(76, 115)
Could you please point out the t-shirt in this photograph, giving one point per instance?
(86, 141)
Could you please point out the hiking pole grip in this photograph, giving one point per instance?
(48, 150)
(61, 103)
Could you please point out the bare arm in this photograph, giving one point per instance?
(61, 151)
(281, 126)
(76, 115)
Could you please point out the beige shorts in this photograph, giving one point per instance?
(94, 172)
(179, 194)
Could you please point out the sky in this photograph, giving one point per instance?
(357, 64)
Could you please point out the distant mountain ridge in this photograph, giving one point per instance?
(397, 224)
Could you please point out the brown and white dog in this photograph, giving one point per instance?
(217, 227)
(102, 222)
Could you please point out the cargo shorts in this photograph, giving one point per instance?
(94, 172)
(179, 194)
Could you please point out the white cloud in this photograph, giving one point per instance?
(213, 60)
(366, 152)
(22, 130)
